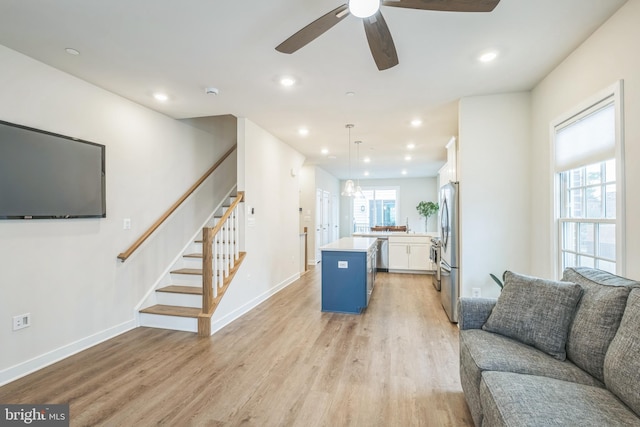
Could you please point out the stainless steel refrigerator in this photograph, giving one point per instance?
(450, 251)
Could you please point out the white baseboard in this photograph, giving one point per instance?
(25, 368)
(250, 305)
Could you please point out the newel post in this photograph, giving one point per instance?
(207, 270)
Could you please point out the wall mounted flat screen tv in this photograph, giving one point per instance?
(46, 175)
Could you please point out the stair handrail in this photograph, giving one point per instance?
(126, 254)
(210, 253)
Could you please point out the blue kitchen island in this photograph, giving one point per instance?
(348, 274)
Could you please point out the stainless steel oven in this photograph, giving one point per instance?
(434, 256)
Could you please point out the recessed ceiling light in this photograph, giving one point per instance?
(366, 159)
(366, 173)
(411, 146)
(407, 158)
(416, 122)
(404, 171)
(162, 97)
(324, 151)
(488, 56)
(303, 131)
(287, 81)
(350, 94)
(72, 51)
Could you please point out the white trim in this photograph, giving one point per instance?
(614, 91)
(27, 367)
(621, 204)
(250, 305)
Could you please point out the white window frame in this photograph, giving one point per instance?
(381, 187)
(613, 93)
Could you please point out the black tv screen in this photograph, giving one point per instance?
(46, 175)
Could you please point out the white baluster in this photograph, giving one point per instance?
(215, 266)
(237, 233)
(234, 242)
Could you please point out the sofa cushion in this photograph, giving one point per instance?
(518, 400)
(535, 311)
(474, 312)
(622, 362)
(597, 316)
(482, 351)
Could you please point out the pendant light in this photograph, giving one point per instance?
(349, 187)
(359, 194)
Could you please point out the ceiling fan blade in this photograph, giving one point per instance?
(380, 42)
(445, 5)
(313, 30)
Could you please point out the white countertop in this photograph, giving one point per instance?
(351, 244)
(394, 233)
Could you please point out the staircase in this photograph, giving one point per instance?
(187, 298)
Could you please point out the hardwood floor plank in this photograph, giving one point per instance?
(285, 363)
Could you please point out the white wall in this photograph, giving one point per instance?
(271, 237)
(609, 55)
(411, 192)
(65, 272)
(495, 208)
(307, 218)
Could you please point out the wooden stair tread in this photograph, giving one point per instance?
(192, 271)
(179, 289)
(172, 310)
(193, 255)
(200, 256)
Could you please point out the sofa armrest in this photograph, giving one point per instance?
(474, 312)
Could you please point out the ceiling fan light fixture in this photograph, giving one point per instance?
(364, 8)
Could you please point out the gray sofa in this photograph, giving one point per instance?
(553, 353)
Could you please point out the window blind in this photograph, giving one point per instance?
(586, 138)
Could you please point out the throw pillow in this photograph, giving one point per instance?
(622, 362)
(597, 316)
(535, 311)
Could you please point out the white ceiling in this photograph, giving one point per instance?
(135, 48)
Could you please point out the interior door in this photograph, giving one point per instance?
(335, 215)
(318, 229)
(325, 218)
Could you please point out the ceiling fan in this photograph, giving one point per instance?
(375, 27)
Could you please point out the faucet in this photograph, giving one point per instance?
(407, 225)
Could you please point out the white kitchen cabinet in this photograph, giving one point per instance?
(398, 256)
(449, 172)
(419, 256)
(408, 252)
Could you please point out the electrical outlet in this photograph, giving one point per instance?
(476, 292)
(21, 321)
(126, 224)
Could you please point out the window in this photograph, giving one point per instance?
(588, 216)
(588, 164)
(378, 207)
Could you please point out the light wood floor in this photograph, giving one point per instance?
(283, 364)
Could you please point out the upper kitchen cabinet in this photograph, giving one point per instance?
(449, 172)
